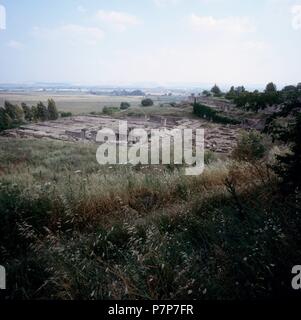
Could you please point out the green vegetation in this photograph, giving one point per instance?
(66, 114)
(216, 91)
(12, 115)
(110, 110)
(206, 93)
(147, 102)
(212, 115)
(256, 101)
(80, 103)
(52, 110)
(73, 230)
(250, 147)
(124, 105)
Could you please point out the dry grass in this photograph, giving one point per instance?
(74, 230)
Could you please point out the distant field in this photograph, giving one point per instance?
(78, 103)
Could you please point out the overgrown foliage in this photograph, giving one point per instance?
(256, 101)
(71, 230)
(124, 105)
(288, 166)
(250, 147)
(110, 110)
(212, 115)
(12, 115)
(147, 102)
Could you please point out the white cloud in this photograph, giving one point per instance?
(224, 61)
(296, 21)
(72, 33)
(15, 44)
(2, 17)
(236, 25)
(120, 21)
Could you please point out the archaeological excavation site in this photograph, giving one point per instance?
(84, 129)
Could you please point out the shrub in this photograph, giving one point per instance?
(250, 147)
(216, 91)
(42, 112)
(288, 165)
(15, 112)
(209, 157)
(124, 105)
(109, 110)
(66, 114)
(5, 120)
(147, 102)
(213, 115)
(52, 110)
(27, 112)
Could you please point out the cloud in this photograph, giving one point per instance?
(15, 44)
(72, 33)
(296, 21)
(237, 25)
(2, 17)
(224, 61)
(120, 21)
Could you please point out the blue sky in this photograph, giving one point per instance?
(162, 41)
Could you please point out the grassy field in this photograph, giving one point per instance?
(78, 103)
(71, 229)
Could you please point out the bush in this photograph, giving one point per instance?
(27, 112)
(42, 112)
(124, 105)
(11, 116)
(147, 102)
(209, 157)
(14, 111)
(213, 115)
(66, 114)
(5, 120)
(288, 165)
(250, 147)
(109, 110)
(52, 110)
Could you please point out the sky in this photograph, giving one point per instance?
(118, 42)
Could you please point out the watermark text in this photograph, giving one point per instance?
(2, 278)
(155, 146)
(2, 17)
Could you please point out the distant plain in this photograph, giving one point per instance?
(78, 103)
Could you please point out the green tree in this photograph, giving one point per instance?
(231, 94)
(5, 120)
(250, 147)
(15, 112)
(27, 112)
(124, 105)
(270, 88)
(147, 102)
(288, 165)
(34, 111)
(206, 93)
(216, 91)
(52, 110)
(42, 112)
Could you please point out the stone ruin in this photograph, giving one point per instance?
(218, 138)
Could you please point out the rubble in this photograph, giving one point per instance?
(218, 138)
